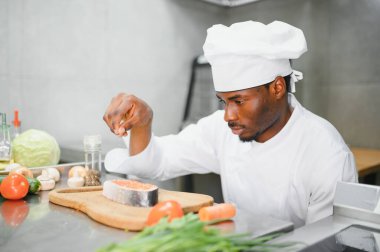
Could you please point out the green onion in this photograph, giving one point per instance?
(190, 234)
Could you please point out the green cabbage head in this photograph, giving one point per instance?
(35, 148)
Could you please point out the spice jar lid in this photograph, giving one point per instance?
(92, 142)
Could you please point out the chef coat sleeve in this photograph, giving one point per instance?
(337, 166)
(190, 151)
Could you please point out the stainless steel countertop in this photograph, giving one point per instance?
(52, 227)
(354, 204)
(315, 232)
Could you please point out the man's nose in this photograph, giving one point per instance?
(230, 113)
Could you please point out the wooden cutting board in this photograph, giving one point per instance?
(91, 201)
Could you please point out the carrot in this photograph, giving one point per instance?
(219, 211)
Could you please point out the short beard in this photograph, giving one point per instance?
(249, 138)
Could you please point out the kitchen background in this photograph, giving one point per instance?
(61, 62)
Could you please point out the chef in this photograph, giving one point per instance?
(274, 156)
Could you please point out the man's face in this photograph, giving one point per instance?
(250, 113)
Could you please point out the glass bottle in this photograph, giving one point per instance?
(92, 152)
(16, 125)
(5, 142)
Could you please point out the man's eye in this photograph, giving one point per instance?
(239, 102)
(221, 104)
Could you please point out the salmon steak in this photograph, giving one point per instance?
(131, 192)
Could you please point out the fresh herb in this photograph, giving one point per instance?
(190, 234)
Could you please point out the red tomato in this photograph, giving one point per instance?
(170, 208)
(14, 212)
(15, 186)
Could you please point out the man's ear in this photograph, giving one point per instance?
(279, 87)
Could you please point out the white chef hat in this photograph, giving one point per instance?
(250, 54)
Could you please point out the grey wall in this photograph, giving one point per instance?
(62, 61)
(340, 69)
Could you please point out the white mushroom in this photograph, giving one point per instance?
(75, 180)
(80, 169)
(47, 183)
(23, 171)
(54, 173)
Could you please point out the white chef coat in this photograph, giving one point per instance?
(292, 176)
